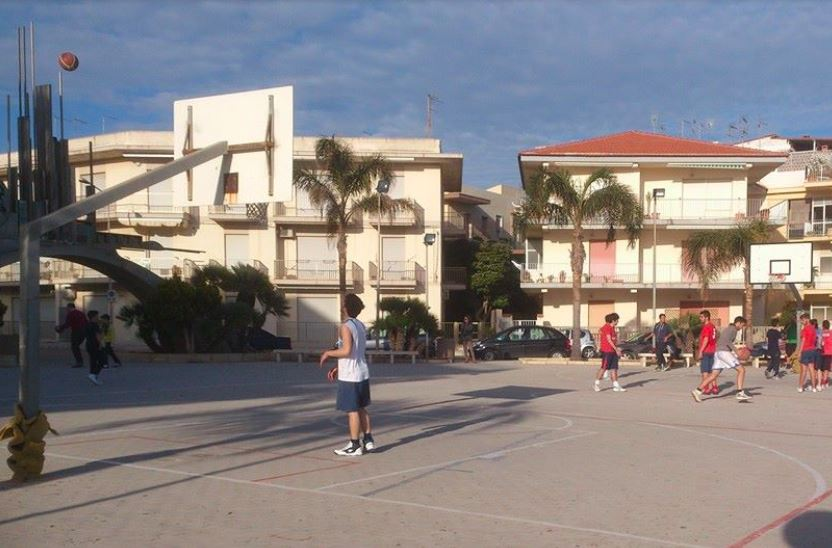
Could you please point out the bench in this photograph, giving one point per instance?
(299, 354)
(687, 356)
(392, 354)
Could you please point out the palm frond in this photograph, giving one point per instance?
(563, 191)
(616, 205)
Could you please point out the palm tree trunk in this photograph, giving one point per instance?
(577, 256)
(342, 268)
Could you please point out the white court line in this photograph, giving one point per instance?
(382, 501)
(137, 429)
(820, 482)
(489, 455)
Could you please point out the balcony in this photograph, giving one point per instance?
(620, 275)
(455, 277)
(400, 218)
(146, 216)
(810, 231)
(455, 225)
(239, 213)
(710, 213)
(313, 273)
(291, 215)
(53, 271)
(397, 274)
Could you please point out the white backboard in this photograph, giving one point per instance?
(258, 126)
(792, 261)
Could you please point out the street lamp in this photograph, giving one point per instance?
(430, 239)
(383, 187)
(657, 193)
(110, 298)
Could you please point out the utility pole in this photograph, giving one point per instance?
(432, 100)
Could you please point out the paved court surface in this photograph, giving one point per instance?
(495, 454)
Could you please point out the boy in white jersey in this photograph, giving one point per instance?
(353, 378)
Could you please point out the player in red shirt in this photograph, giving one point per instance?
(609, 353)
(826, 359)
(707, 348)
(807, 352)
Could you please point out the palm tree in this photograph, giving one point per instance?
(556, 197)
(710, 253)
(340, 184)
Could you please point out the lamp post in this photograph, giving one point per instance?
(383, 187)
(657, 193)
(430, 238)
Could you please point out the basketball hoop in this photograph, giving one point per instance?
(776, 281)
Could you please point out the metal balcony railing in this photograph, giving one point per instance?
(808, 229)
(618, 274)
(253, 213)
(394, 271)
(305, 215)
(455, 275)
(322, 271)
(399, 218)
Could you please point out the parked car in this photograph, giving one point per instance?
(643, 344)
(588, 347)
(523, 341)
(373, 343)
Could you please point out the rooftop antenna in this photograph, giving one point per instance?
(739, 128)
(432, 100)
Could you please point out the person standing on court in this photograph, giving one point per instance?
(108, 336)
(466, 335)
(662, 333)
(93, 338)
(609, 353)
(353, 378)
(807, 350)
(75, 321)
(707, 348)
(726, 358)
(773, 336)
(826, 357)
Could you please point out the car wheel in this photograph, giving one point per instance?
(489, 355)
(588, 352)
(558, 354)
(629, 355)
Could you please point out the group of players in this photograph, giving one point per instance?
(719, 352)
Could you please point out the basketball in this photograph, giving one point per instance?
(743, 353)
(68, 61)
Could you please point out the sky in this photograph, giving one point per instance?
(509, 76)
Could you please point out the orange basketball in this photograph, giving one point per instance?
(743, 353)
(68, 61)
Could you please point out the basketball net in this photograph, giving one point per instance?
(776, 281)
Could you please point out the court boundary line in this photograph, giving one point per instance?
(484, 515)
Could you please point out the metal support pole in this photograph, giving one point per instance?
(427, 300)
(654, 260)
(29, 391)
(378, 275)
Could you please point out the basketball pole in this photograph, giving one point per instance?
(30, 235)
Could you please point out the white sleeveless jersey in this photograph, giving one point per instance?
(354, 367)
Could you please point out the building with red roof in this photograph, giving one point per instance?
(683, 185)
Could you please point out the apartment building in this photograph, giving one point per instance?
(684, 185)
(801, 191)
(287, 240)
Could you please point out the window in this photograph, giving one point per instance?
(825, 266)
(821, 312)
(499, 219)
(231, 187)
(516, 335)
(821, 216)
(534, 253)
(539, 334)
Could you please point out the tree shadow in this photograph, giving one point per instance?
(810, 529)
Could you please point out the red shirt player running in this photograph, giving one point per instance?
(609, 353)
(807, 353)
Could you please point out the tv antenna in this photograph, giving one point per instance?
(656, 123)
(432, 101)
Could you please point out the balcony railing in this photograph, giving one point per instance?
(286, 214)
(243, 213)
(395, 272)
(455, 275)
(400, 218)
(314, 272)
(801, 230)
(454, 224)
(621, 274)
(144, 215)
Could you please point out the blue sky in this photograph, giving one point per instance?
(510, 75)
